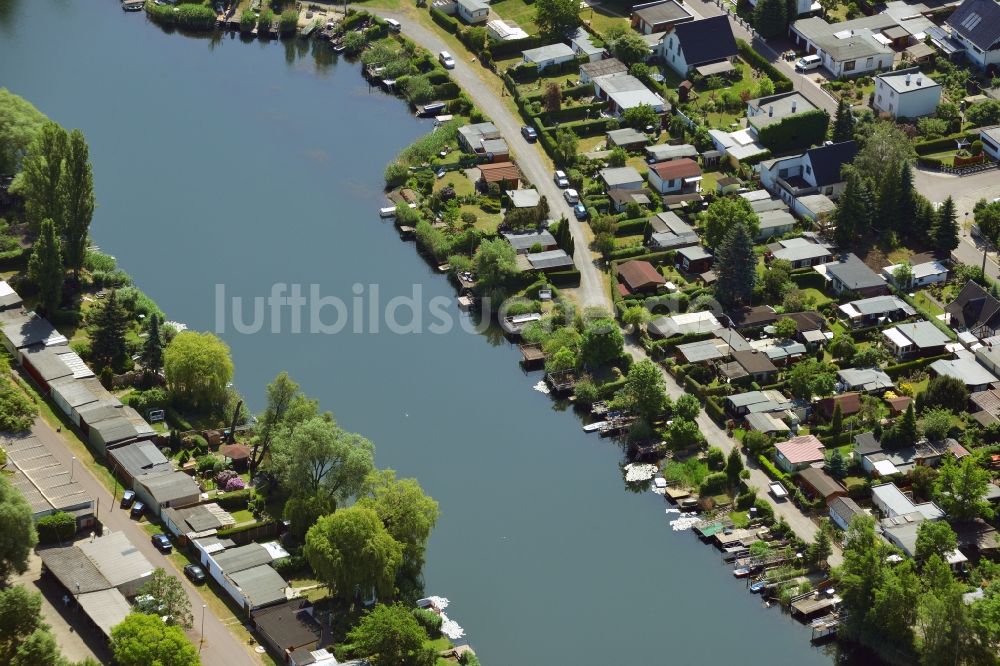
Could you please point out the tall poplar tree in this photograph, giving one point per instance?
(45, 268)
(736, 265)
(78, 200)
(41, 175)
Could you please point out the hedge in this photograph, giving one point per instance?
(570, 113)
(568, 278)
(57, 527)
(628, 252)
(713, 484)
(234, 501)
(715, 410)
(810, 280)
(795, 133)
(907, 367)
(446, 91)
(506, 49)
(585, 128)
(782, 83)
(944, 143)
(773, 471)
(664, 347)
(631, 227)
(230, 531)
(443, 20)
(608, 389)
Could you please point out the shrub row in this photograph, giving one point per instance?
(773, 471)
(447, 22)
(907, 367)
(782, 83)
(568, 278)
(230, 531)
(944, 143)
(506, 49)
(234, 501)
(57, 527)
(570, 113)
(796, 132)
(632, 227)
(715, 411)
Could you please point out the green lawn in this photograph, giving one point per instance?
(925, 303)
(519, 12)
(818, 297)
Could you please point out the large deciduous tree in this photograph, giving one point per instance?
(722, 214)
(770, 17)
(407, 513)
(45, 268)
(145, 640)
(17, 530)
(934, 537)
(318, 458)
(882, 151)
(736, 266)
(164, 595)
(960, 489)
(557, 18)
(78, 200)
(20, 615)
(198, 368)
(602, 343)
(20, 122)
(645, 391)
(351, 551)
(391, 636)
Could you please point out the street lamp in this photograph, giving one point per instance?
(202, 642)
(72, 469)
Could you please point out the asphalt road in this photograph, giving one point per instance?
(221, 648)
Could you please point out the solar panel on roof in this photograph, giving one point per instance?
(971, 21)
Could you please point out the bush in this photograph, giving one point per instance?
(56, 528)
(17, 411)
(143, 401)
(234, 501)
(713, 484)
(429, 620)
(796, 132)
(209, 464)
(234, 484)
(223, 477)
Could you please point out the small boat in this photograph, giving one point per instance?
(659, 482)
(756, 588)
(741, 572)
(595, 426)
(388, 211)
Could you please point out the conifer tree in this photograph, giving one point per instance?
(854, 212)
(152, 348)
(889, 203)
(770, 17)
(945, 230)
(45, 268)
(736, 266)
(107, 337)
(843, 122)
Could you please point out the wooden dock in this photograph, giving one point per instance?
(825, 628)
(813, 603)
(532, 354)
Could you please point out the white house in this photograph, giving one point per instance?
(923, 274)
(976, 26)
(549, 56)
(698, 43)
(991, 142)
(816, 171)
(583, 45)
(473, 11)
(675, 176)
(906, 93)
(801, 6)
(624, 91)
(849, 48)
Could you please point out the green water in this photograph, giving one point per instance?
(222, 162)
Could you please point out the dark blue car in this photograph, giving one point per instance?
(580, 211)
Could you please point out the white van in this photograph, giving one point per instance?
(393, 25)
(807, 63)
(446, 60)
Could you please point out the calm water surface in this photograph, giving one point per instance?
(221, 162)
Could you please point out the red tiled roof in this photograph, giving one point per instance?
(682, 168)
(801, 449)
(499, 171)
(639, 275)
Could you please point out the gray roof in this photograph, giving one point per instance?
(200, 518)
(854, 273)
(243, 557)
(528, 198)
(705, 350)
(140, 458)
(261, 585)
(845, 508)
(548, 52)
(25, 330)
(662, 12)
(775, 108)
(978, 21)
(525, 241)
(923, 334)
(550, 259)
(773, 219)
(801, 252)
(71, 567)
(847, 39)
(865, 443)
(966, 369)
(746, 399)
(879, 305)
(907, 80)
(116, 558)
(583, 41)
(890, 496)
(664, 151)
(694, 253)
(627, 136)
(115, 429)
(43, 480)
(763, 205)
(473, 6)
(603, 67)
(766, 422)
(79, 392)
(105, 608)
(901, 531)
(47, 362)
(618, 176)
(171, 486)
(669, 222)
(8, 297)
(866, 379)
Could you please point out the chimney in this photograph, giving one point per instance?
(770, 111)
(794, 104)
(920, 81)
(907, 79)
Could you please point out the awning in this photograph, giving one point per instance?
(885, 468)
(692, 179)
(715, 68)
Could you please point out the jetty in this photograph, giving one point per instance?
(812, 603)
(825, 627)
(532, 354)
(513, 326)
(133, 5)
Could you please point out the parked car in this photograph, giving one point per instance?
(137, 510)
(529, 133)
(445, 58)
(571, 196)
(194, 573)
(561, 179)
(162, 543)
(580, 211)
(393, 25)
(128, 498)
(807, 63)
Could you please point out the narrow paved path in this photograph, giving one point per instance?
(592, 282)
(220, 648)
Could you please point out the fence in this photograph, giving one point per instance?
(969, 169)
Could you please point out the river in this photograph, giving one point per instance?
(219, 162)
